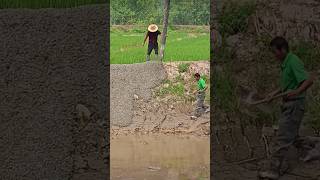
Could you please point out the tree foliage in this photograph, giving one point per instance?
(182, 12)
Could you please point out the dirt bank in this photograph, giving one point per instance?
(153, 102)
(52, 60)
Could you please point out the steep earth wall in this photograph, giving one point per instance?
(52, 60)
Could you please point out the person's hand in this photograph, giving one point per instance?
(292, 93)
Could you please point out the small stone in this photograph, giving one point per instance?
(136, 97)
(83, 113)
(153, 168)
(166, 85)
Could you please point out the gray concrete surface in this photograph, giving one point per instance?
(126, 80)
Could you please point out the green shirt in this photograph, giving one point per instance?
(201, 84)
(292, 73)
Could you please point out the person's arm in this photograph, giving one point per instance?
(206, 87)
(301, 76)
(302, 88)
(145, 38)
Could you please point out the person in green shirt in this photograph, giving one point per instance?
(294, 80)
(200, 96)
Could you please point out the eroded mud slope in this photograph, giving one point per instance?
(52, 60)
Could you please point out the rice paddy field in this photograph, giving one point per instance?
(184, 43)
(35, 4)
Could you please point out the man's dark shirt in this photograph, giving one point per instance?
(153, 37)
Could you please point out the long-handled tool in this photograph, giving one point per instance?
(251, 102)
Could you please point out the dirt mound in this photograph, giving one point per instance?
(128, 81)
(52, 60)
(162, 108)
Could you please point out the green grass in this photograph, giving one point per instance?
(35, 4)
(183, 67)
(182, 45)
(176, 89)
(178, 86)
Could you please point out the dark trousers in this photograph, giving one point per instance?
(292, 113)
(152, 46)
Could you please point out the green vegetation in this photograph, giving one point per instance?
(183, 67)
(35, 4)
(234, 17)
(193, 12)
(225, 91)
(172, 88)
(179, 89)
(313, 106)
(183, 44)
(308, 53)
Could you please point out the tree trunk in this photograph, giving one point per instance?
(165, 26)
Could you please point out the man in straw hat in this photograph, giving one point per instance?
(152, 33)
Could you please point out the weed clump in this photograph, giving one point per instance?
(234, 17)
(183, 67)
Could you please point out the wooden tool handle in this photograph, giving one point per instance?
(273, 97)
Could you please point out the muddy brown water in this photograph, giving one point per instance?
(158, 157)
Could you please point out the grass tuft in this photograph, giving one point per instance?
(183, 67)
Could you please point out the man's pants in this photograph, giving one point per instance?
(289, 124)
(200, 108)
(152, 46)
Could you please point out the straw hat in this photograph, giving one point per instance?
(153, 28)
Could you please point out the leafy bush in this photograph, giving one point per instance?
(151, 11)
(234, 17)
(308, 53)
